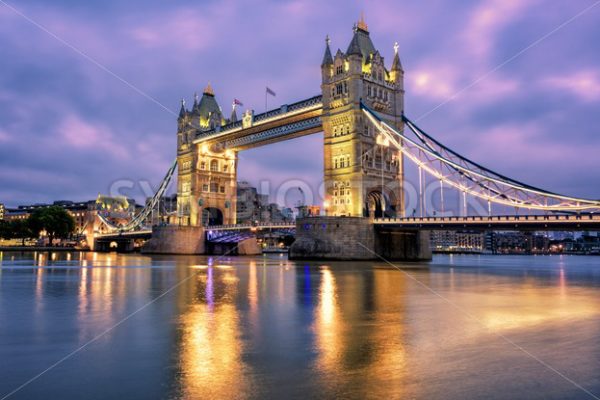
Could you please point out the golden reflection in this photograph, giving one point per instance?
(252, 288)
(329, 325)
(211, 347)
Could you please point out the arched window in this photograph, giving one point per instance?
(214, 165)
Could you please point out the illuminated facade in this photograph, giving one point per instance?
(206, 184)
(1, 211)
(363, 176)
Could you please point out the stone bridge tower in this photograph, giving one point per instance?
(206, 184)
(363, 177)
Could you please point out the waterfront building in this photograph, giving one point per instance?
(458, 241)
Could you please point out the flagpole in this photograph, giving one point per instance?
(266, 93)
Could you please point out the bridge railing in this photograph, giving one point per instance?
(259, 225)
(493, 218)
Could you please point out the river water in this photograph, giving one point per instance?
(98, 326)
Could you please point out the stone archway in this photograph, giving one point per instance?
(212, 216)
(379, 205)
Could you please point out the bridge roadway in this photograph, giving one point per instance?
(583, 222)
(236, 227)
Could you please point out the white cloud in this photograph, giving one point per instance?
(583, 84)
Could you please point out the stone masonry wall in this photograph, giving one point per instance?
(174, 239)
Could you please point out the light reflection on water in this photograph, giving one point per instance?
(265, 327)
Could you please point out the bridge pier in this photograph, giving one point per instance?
(356, 238)
(175, 239)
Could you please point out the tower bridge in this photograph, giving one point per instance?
(366, 140)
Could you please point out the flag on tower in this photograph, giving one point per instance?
(269, 91)
(236, 102)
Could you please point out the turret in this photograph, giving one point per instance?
(327, 58)
(397, 73)
(182, 111)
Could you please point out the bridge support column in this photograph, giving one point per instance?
(356, 238)
(175, 239)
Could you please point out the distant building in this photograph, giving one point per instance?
(308, 211)
(78, 210)
(458, 241)
(254, 207)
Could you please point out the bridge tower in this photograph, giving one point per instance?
(363, 176)
(206, 181)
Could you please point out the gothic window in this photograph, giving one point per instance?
(205, 187)
(347, 128)
(338, 88)
(214, 165)
(214, 187)
(332, 92)
(339, 69)
(335, 131)
(335, 192)
(347, 161)
(335, 163)
(203, 165)
(345, 87)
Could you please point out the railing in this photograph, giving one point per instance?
(495, 218)
(259, 225)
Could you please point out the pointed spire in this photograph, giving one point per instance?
(362, 25)
(327, 58)
(233, 117)
(195, 106)
(182, 111)
(354, 46)
(396, 64)
(209, 90)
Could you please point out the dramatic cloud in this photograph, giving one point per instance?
(88, 91)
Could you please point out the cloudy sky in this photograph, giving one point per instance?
(88, 90)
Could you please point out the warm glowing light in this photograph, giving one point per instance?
(198, 266)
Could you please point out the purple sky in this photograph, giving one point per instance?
(70, 129)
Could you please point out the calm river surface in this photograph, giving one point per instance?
(98, 326)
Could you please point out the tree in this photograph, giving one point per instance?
(5, 231)
(19, 229)
(55, 220)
